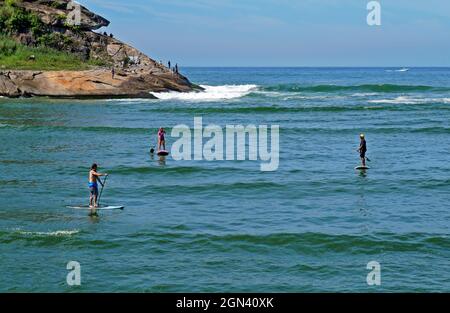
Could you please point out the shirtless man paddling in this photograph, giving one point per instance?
(94, 177)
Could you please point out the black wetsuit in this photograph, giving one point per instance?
(363, 149)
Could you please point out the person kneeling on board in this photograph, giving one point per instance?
(362, 149)
(93, 186)
(161, 139)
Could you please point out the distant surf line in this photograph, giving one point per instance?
(229, 92)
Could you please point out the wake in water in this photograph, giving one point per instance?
(211, 93)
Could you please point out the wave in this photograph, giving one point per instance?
(371, 129)
(54, 238)
(180, 170)
(364, 94)
(409, 100)
(211, 93)
(306, 243)
(383, 88)
(95, 129)
(214, 189)
(17, 234)
(437, 105)
(56, 233)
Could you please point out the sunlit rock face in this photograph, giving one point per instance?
(136, 74)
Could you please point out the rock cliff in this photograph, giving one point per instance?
(136, 75)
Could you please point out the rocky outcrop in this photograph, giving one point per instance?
(97, 83)
(136, 75)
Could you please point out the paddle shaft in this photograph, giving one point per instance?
(101, 191)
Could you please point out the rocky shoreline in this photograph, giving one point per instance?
(97, 83)
(135, 74)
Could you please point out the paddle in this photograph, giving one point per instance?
(366, 157)
(101, 191)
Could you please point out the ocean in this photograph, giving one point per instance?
(312, 225)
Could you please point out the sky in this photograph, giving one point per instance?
(282, 32)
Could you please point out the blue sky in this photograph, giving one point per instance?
(282, 32)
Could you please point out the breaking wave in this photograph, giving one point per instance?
(211, 93)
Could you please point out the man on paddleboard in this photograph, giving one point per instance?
(93, 186)
(362, 149)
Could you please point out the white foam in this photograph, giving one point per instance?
(299, 97)
(409, 100)
(128, 100)
(399, 70)
(273, 94)
(362, 94)
(211, 93)
(54, 233)
(295, 95)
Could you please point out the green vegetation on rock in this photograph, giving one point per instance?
(14, 19)
(46, 52)
(15, 56)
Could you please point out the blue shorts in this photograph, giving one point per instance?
(93, 188)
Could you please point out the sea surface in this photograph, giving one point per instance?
(213, 226)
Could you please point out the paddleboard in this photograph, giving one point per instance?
(163, 153)
(362, 168)
(100, 208)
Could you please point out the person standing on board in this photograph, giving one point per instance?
(93, 186)
(161, 139)
(362, 149)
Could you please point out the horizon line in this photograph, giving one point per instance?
(309, 66)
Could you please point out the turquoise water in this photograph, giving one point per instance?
(189, 226)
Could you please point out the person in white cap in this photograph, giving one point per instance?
(362, 149)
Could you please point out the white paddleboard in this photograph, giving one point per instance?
(100, 208)
(362, 168)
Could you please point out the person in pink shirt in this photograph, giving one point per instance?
(161, 139)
